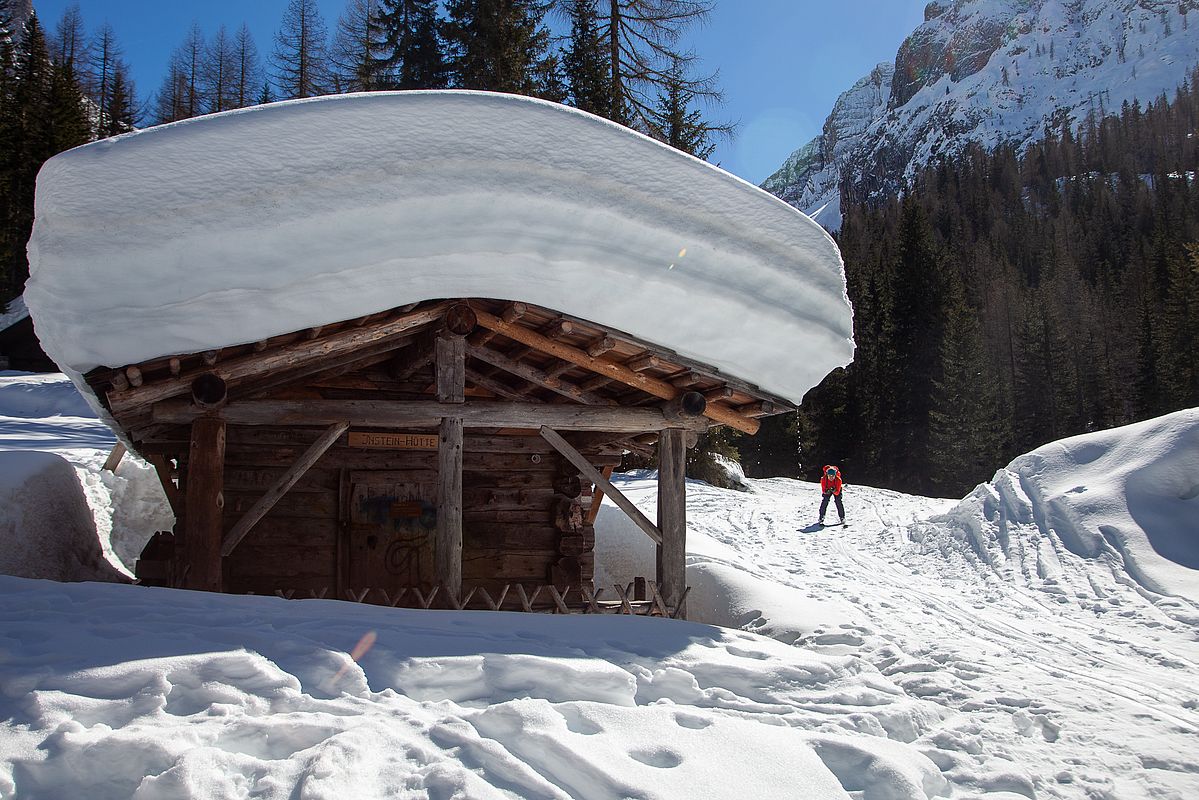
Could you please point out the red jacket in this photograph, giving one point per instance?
(834, 485)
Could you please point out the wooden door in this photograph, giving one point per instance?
(392, 528)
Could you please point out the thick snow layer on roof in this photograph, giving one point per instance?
(231, 228)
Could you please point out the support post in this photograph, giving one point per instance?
(205, 503)
(450, 364)
(672, 518)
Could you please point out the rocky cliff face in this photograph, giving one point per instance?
(989, 71)
(809, 179)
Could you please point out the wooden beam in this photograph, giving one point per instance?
(450, 357)
(618, 372)
(601, 345)
(281, 486)
(672, 517)
(114, 458)
(294, 355)
(536, 376)
(512, 313)
(643, 362)
(597, 497)
(427, 413)
(205, 503)
(447, 549)
(159, 462)
(595, 476)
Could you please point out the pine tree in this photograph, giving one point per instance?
(300, 58)
(355, 65)
(410, 46)
(585, 61)
(497, 45)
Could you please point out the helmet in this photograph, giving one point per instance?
(831, 471)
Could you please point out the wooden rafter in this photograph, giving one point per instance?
(536, 376)
(618, 372)
(288, 357)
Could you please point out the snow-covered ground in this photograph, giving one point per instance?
(930, 649)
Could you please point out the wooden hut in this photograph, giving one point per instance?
(373, 361)
(457, 447)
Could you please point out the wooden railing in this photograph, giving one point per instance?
(630, 599)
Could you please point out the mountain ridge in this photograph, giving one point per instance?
(988, 72)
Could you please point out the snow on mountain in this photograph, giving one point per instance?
(1005, 646)
(991, 71)
(234, 227)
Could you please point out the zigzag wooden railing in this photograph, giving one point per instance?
(591, 603)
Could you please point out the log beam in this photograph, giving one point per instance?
(281, 486)
(592, 474)
(450, 350)
(618, 372)
(205, 503)
(672, 518)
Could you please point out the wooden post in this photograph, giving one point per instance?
(672, 517)
(450, 352)
(205, 502)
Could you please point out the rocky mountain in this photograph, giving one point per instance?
(989, 71)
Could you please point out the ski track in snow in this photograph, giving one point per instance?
(1055, 675)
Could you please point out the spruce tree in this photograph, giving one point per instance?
(410, 46)
(497, 45)
(301, 57)
(585, 61)
(121, 114)
(676, 123)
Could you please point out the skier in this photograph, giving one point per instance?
(830, 486)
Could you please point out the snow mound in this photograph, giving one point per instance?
(230, 228)
(1129, 495)
(46, 525)
(45, 413)
(136, 692)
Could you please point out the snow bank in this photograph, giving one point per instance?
(46, 524)
(227, 697)
(230, 228)
(1129, 495)
(43, 414)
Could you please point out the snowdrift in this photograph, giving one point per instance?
(46, 525)
(234, 227)
(148, 693)
(1129, 494)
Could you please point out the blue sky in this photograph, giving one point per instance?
(782, 62)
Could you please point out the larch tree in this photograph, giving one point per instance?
(643, 39)
(300, 59)
(219, 72)
(410, 45)
(70, 45)
(121, 114)
(355, 66)
(248, 68)
(104, 54)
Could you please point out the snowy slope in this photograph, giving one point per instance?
(934, 648)
(234, 227)
(988, 71)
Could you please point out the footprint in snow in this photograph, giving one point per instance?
(660, 757)
(692, 721)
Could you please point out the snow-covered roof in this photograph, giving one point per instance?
(235, 227)
(13, 313)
